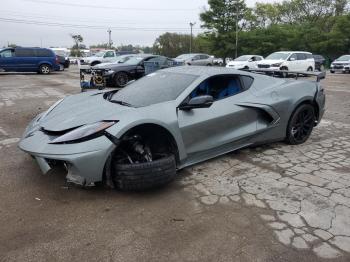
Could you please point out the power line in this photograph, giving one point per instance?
(78, 19)
(46, 23)
(107, 7)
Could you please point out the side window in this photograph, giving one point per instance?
(202, 57)
(197, 57)
(7, 53)
(219, 87)
(301, 56)
(43, 53)
(257, 58)
(309, 56)
(159, 59)
(23, 52)
(293, 57)
(109, 54)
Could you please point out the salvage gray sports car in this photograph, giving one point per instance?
(137, 138)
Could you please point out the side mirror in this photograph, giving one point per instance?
(204, 101)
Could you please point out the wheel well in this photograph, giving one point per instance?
(309, 102)
(157, 136)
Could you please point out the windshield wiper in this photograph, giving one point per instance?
(121, 103)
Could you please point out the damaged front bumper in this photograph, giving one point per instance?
(84, 161)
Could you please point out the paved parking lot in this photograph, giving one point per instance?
(270, 203)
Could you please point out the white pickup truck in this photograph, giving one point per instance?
(104, 56)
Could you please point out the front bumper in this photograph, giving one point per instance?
(84, 161)
(341, 69)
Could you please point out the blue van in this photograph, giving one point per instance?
(28, 59)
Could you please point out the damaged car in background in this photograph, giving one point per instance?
(137, 138)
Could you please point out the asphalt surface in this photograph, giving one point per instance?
(271, 203)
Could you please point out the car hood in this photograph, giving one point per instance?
(114, 66)
(341, 62)
(92, 58)
(270, 62)
(81, 109)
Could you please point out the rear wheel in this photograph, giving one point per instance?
(301, 124)
(310, 69)
(45, 69)
(284, 74)
(121, 79)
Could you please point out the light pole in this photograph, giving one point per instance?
(191, 25)
(109, 31)
(236, 30)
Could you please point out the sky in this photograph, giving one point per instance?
(49, 23)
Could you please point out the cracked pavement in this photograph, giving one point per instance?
(274, 202)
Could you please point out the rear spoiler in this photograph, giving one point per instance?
(319, 75)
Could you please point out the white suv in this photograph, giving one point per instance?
(289, 60)
(245, 62)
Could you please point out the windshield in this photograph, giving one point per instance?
(154, 88)
(184, 56)
(344, 58)
(243, 58)
(277, 56)
(134, 60)
(121, 59)
(100, 54)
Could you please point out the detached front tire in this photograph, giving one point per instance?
(144, 176)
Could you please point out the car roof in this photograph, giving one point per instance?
(204, 70)
(285, 52)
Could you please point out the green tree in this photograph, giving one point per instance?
(221, 21)
(78, 39)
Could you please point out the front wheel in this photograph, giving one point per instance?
(45, 69)
(301, 124)
(310, 69)
(121, 79)
(143, 176)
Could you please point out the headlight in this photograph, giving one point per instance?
(85, 132)
(276, 65)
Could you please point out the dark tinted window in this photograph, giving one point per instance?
(308, 56)
(7, 53)
(257, 58)
(154, 88)
(301, 56)
(43, 53)
(24, 52)
(204, 56)
(219, 87)
(109, 54)
(247, 81)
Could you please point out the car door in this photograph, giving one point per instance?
(26, 59)
(205, 60)
(224, 122)
(7, 61)
(109, 56)
(302, 62)
(293, 62)
(255, 60)
(196, 60)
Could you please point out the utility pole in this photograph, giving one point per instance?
(191, 25)
(109, 31)
(236, 30)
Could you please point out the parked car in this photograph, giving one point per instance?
(136, 138)
(341, 64)
(29, 59)
(119, 74)
(245, 62)
(63, 58)
(100, 57)
(320, 62)
(218, 61)
(196, 59)
(288, 61)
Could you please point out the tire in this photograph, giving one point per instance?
(121, 79)
(310, 69)
(143, 176)
(332, 72)
(209, 64)
(45, 69)
(301, 124)
(284, 75)
(322, 69)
